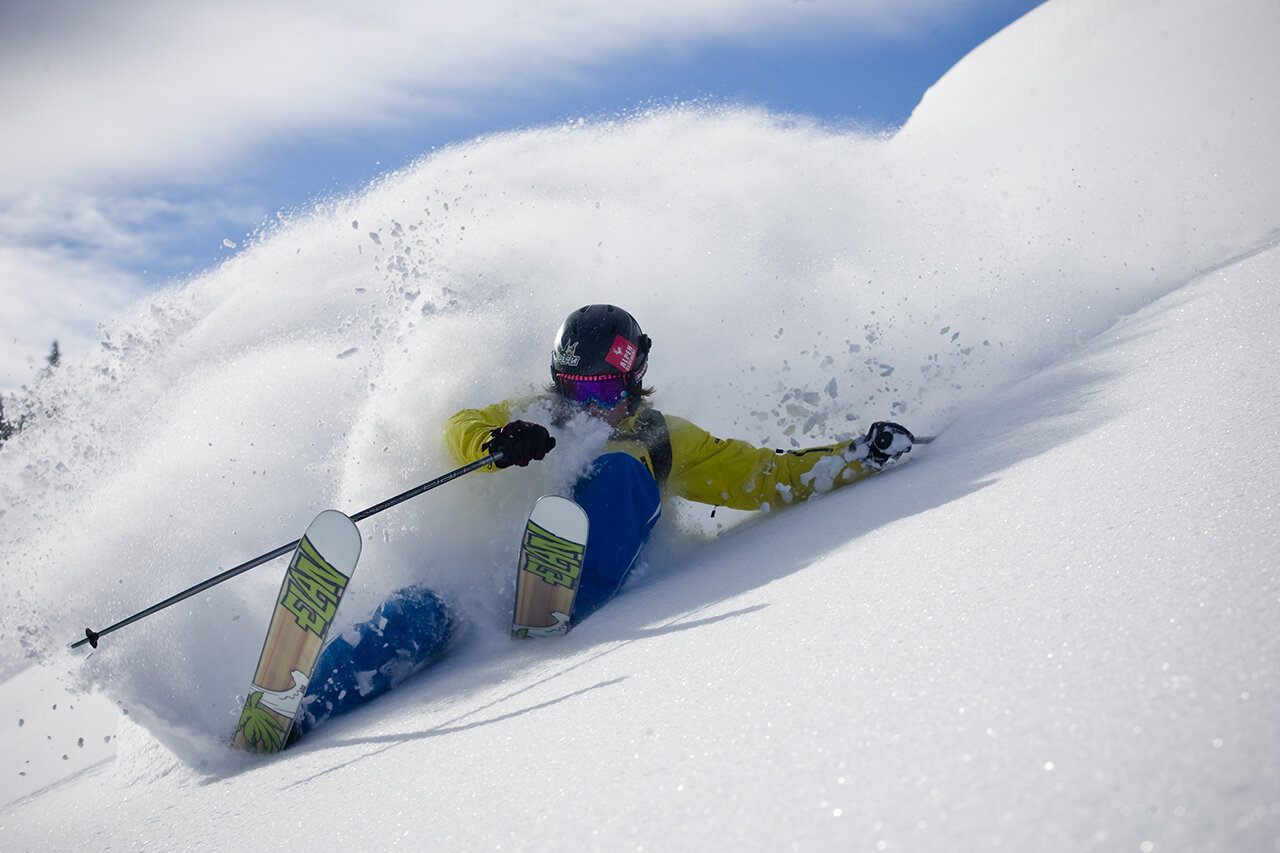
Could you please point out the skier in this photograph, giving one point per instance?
(598, 366)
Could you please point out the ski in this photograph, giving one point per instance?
(551, 555)
(313, 586)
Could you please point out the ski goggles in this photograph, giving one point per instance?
(605, 391)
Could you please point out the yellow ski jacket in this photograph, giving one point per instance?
(689, 462)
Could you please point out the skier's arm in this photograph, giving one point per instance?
(468, 431)
(737, 474)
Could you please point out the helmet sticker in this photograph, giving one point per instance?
(622, 354)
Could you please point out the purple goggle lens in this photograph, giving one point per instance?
(605, 391)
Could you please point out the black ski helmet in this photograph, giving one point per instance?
(601, 341)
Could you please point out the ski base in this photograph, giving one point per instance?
(313, 585)
(551, 557)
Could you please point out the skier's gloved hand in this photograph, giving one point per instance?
(519, 442)
(886, 441)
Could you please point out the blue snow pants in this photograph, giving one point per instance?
(622, 505)
(407, 632)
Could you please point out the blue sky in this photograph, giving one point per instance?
(154, 131)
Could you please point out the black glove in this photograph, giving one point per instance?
(886, 441)
(519, 442)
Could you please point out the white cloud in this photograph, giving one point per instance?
(162, 86)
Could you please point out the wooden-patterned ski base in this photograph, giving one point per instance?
(313, 586)
(551, 555)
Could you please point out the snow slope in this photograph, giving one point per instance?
(1054, 629)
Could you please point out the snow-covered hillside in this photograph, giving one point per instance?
(1054, 628)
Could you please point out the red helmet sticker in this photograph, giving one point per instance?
(622, 354)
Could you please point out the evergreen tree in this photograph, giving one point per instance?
(6, 429)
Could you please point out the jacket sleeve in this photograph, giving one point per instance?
(739, 475)
(466, 431)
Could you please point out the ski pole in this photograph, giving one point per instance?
(91, 636)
